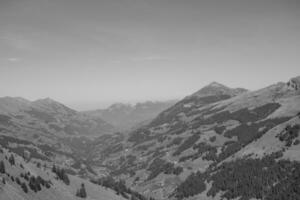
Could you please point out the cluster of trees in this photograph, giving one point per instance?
(289, 135)
(36, 183)
(257, 178)
(161, 166)
(220, 129)
(128, 165)
(140, 135)
(120, 188)
(61, 174)
(188, 143)
(243, 115)
(245, 133)
(176, 141)
(209, 152)
(19, 182)
(81, 192)
(178, 128)
(24, 187)
(248, 178)
(194, 184)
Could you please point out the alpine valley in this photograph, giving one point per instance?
(217, 143)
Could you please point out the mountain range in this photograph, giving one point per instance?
(127, 116)
(216, 143)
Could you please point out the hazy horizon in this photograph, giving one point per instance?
(90, 54)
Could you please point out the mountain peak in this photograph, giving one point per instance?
(119, 106)
(216, 84)
(46, 100)
(215, 89)
(51, 105)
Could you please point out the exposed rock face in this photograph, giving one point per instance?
(294, 83)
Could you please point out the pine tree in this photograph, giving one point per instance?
(18, 181)
(54, 169)
(24, 187)
(11, 160)
(2, 167)
(65, 177)
(81, 192)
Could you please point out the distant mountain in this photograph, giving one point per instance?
(126, 116)
(46, 116)
(47, 128)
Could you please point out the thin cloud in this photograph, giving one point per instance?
(14, 59)
(149, 58)
(141, 59)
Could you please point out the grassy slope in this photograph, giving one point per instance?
(58, 191)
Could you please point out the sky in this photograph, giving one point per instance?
(89, 54)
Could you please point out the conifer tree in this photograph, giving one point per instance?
(2, 167)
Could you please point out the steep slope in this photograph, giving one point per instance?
(211, 93)
(205, 131)
(126, 116)
(34, 180)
